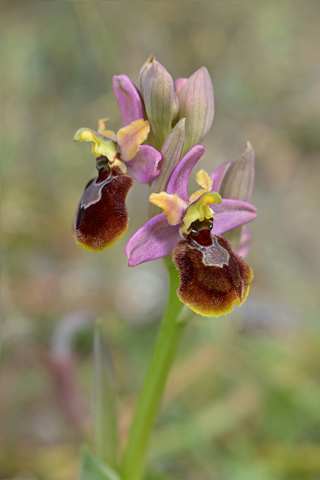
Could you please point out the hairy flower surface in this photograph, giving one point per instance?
(157, 238)
(175, 117)
(203, 257)
(101, 217)
(213, 276)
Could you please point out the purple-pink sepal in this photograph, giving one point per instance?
(144, 166)
(245, 243)
(178, 182)
(178, 84)
(128, 99)
(217, 176)
(230, 214)
(155, 239)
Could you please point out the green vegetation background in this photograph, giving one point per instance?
(243, 401)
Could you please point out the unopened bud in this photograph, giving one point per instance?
(160, 100)
(196, 105)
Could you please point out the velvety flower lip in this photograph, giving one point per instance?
(146, 245)
(123, 149)
(213, 277)
(101, 217)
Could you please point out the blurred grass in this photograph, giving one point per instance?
(243, 399)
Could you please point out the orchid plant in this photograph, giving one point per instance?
(200, 236)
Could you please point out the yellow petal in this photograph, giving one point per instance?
(110, 134)
(129, 138)
(204, 180)
(200, 210)
(102, 129)
(196, 195)
(102, 124)
(100, 145)
(172, 206)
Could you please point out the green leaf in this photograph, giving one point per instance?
(93, 469)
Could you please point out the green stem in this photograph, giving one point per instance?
(151, 393)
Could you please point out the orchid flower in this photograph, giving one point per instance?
(124, 149)
(101, 217)
(163, 124)
(213, 276)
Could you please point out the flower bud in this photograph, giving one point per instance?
(145, 67)
(160, 100)
(178, 84)
(196, 104)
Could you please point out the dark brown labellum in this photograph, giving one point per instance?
(102, 218)
(213, 276)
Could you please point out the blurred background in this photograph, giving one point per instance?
(243, 400)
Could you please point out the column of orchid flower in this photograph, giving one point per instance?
(159, 144)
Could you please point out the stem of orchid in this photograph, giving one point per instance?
(165, 349)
